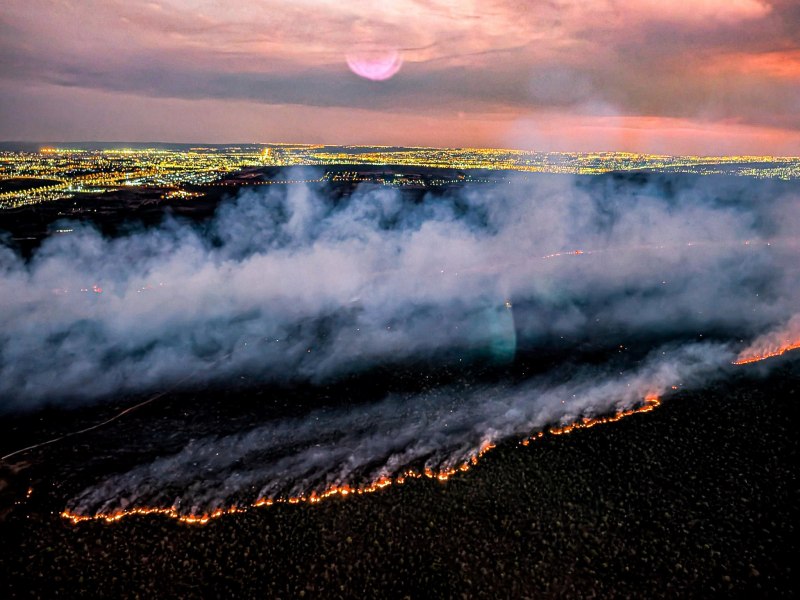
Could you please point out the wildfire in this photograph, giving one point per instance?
(168, 512)
(442, 474)
(764, 348)
(651, 402)
(772, 344)
(751, 356)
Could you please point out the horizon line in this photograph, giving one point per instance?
(153, 144)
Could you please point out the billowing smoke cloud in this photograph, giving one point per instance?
(291, 285)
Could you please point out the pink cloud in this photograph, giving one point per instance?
(697, 11)
(724, 69)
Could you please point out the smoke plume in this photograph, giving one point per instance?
(436, 430)
(290, 285)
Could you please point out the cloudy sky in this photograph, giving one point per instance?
(678, 76)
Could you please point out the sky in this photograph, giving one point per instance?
(678, 77)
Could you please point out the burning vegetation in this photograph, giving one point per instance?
(651, 402)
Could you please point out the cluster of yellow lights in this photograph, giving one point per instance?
(650, 403)
(92, 171)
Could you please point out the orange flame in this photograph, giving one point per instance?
(751, 356)
(770, 345)
(651, 401)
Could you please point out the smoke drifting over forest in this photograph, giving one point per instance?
(436, 431)
(292, 286)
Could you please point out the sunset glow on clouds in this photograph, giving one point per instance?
(595, 75)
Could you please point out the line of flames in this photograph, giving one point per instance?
(748, 358)
(651, 402)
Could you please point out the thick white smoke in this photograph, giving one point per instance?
(290, 285)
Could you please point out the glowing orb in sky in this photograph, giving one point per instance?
(377, 65)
